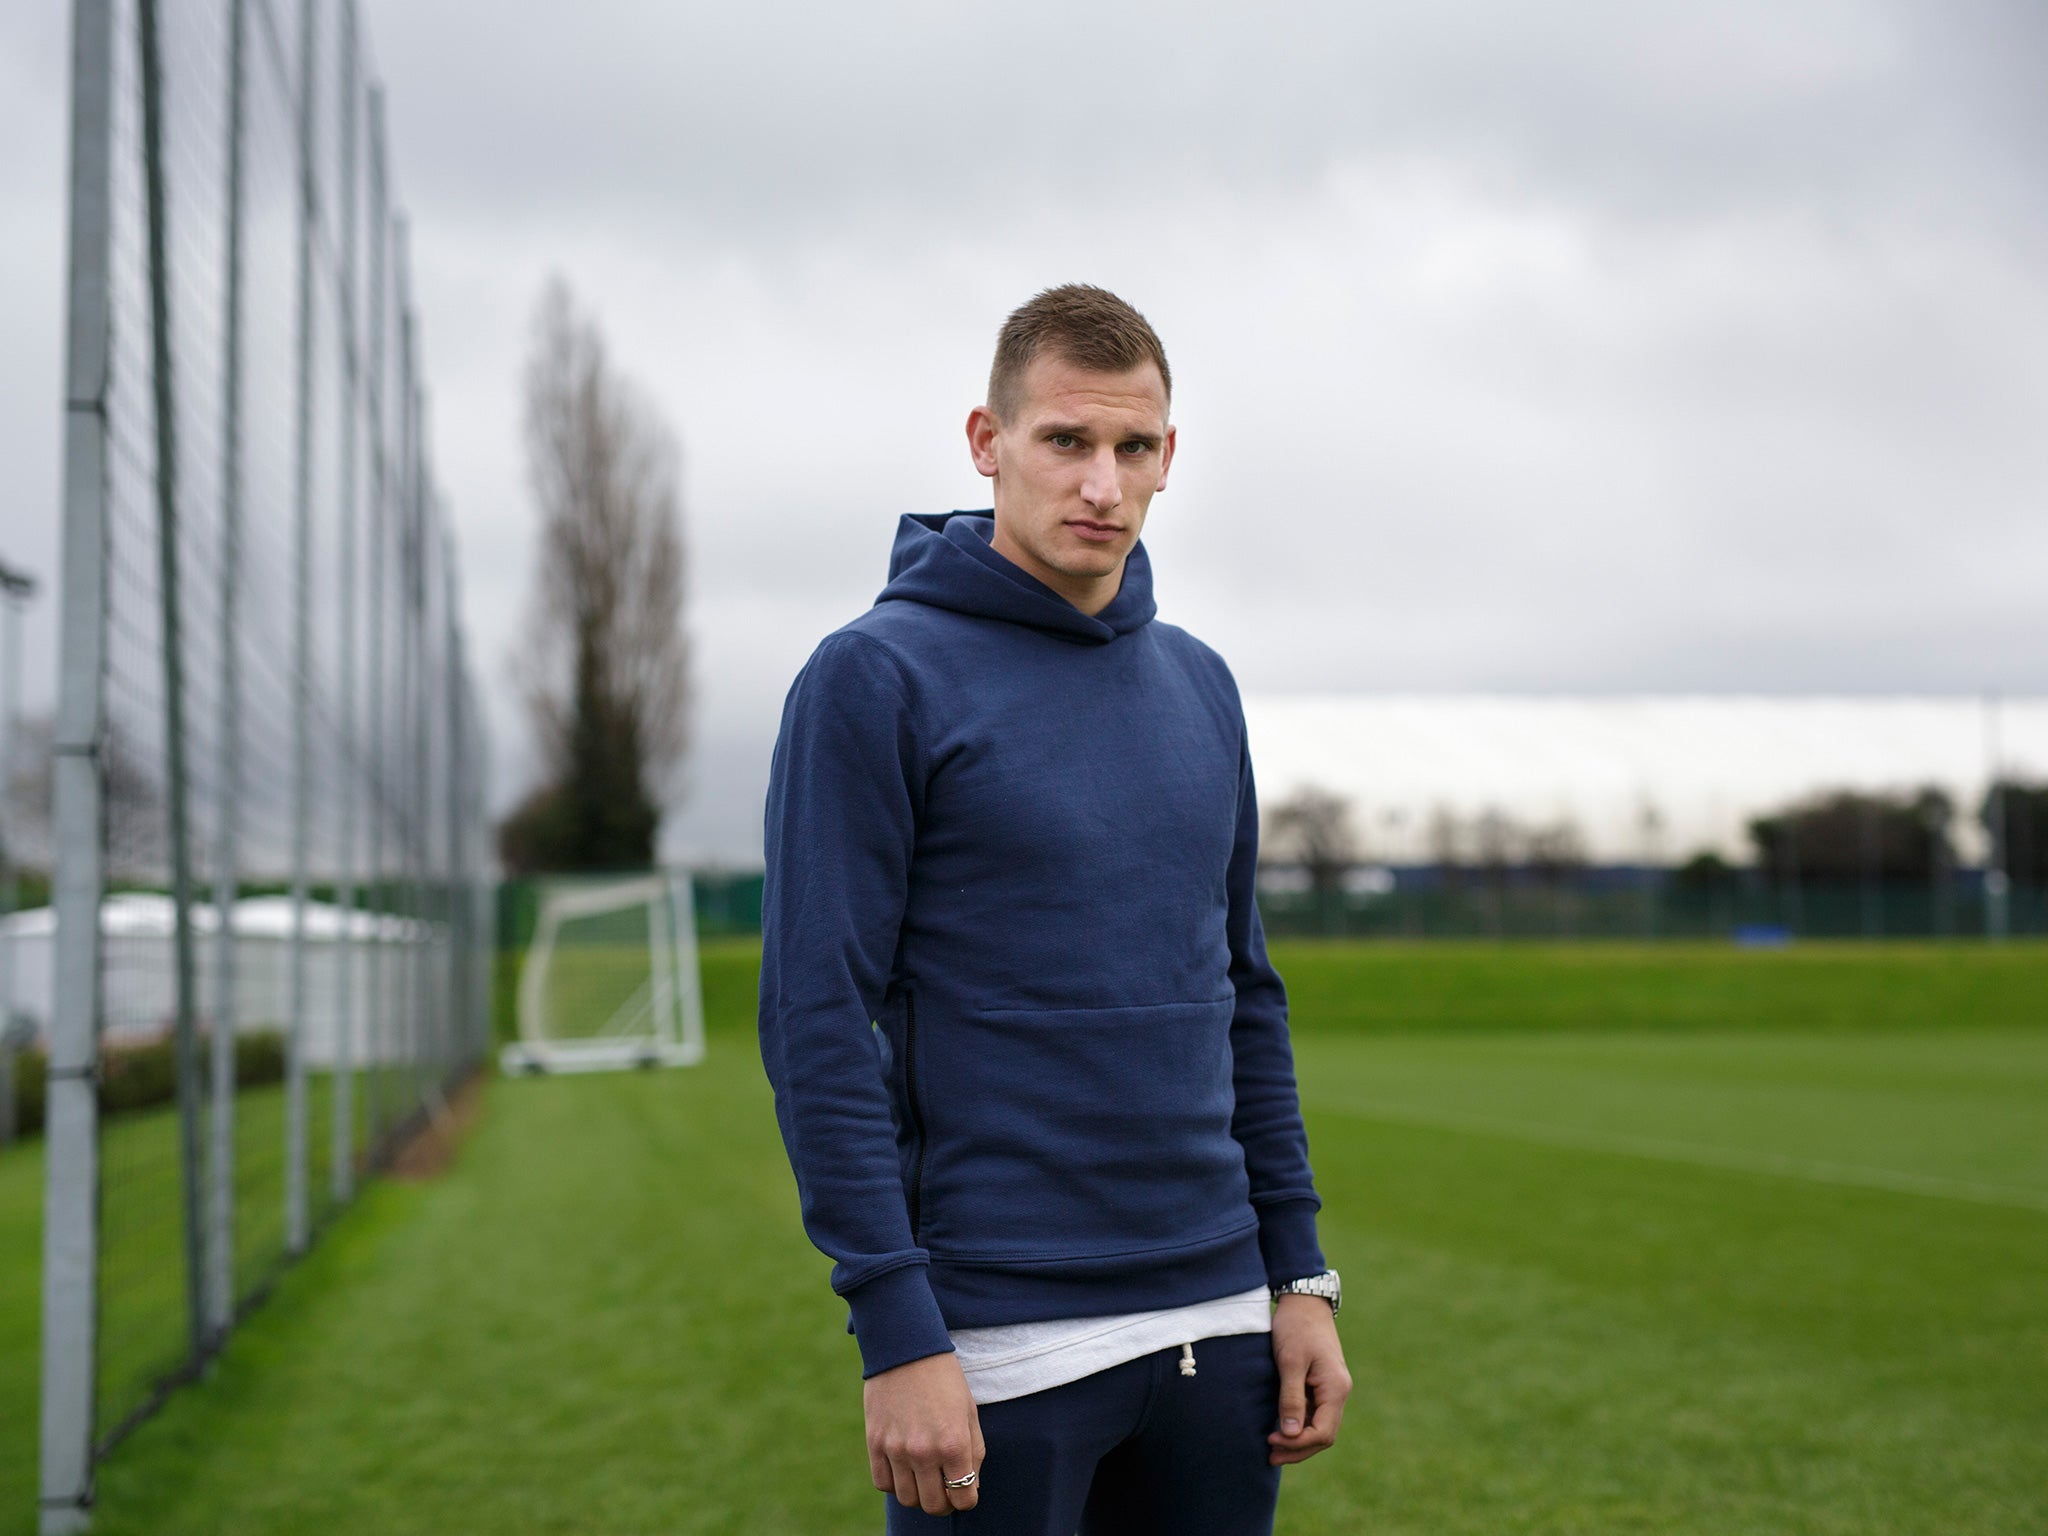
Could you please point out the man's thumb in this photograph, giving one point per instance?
(1293, 1400)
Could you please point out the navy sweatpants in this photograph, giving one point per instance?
(1136, 1450)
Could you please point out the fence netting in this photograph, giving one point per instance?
(271, 935)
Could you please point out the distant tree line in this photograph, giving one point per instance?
(1854, 835)
(1832, 835)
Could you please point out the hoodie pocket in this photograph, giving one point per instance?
(1061, 1133)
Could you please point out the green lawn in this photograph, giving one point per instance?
(143, 1326)
(1669, 1240)
(21, 1227)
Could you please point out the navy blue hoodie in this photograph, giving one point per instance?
(1030, 1059)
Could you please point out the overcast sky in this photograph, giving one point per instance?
(1577, 347)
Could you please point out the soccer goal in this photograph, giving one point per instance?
(611, 980)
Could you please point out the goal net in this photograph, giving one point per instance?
(611, 980)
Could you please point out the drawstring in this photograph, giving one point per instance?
(1187, 1359)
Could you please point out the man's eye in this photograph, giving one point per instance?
(1062, 439)
(1136, 448)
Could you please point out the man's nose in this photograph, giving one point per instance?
(1101, 488)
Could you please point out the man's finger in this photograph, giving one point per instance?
(879, 1469)
(1293, 1394)
(1319, 1434)
(904, 1478)
(932, 1493)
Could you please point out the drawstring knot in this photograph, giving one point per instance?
(1187, 1359)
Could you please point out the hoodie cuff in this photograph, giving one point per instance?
(896, 1320)
(1287, 1241)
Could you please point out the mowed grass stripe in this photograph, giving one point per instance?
(1923, 1116)
(21, 1230)
(1695, 1153)
(1447, 988)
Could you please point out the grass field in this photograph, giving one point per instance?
(1635, 1240)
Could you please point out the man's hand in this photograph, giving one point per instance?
(922, 1429)
(1312, 1377)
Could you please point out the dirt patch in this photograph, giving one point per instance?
(432, 1148)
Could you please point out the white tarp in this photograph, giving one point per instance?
(138, 968)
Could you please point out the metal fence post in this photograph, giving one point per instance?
(220, 1285)
(375, 984)
(296, 1224)
(483, 911)
(406, 404)
(418, 801)
(456, 1011)
(173, 648)
(71, 1125)
(342, 1159)
(433, 761)
(423, 786)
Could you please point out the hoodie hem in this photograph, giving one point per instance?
(985, 1294)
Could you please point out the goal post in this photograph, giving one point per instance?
(611, 979)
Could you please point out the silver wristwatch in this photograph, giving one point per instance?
(1325, 1285)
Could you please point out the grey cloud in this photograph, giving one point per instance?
(730, 120)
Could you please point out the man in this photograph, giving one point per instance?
(1030, 1060)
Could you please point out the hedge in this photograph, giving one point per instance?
(142, 1076)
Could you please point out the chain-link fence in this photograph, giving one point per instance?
(1744, 905)
(270, 946)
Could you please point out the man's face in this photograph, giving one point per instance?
(1075, 467)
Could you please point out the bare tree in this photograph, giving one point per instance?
(1313, 828)
(1498, 843)
(604, 664)
(130, 801)
(1446, 839)
(1555, 853)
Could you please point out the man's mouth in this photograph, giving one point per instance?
(1095, 533)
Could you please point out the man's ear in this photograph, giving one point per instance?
(1165, 460)
(981, 439)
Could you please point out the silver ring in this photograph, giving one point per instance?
(962, 1482)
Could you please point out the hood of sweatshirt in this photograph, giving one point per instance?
(945, 560)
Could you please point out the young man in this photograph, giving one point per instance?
(1030, 1060)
